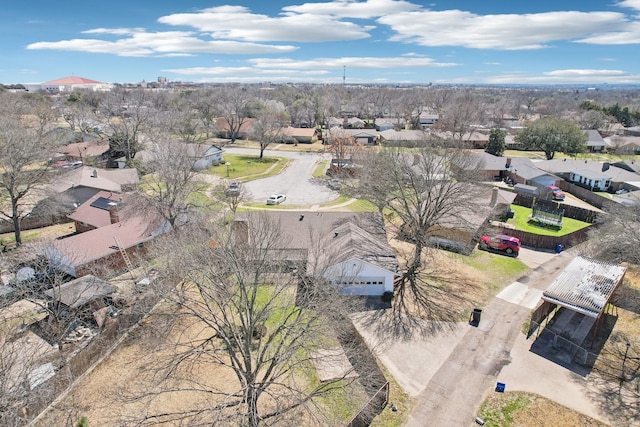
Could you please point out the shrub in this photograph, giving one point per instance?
(387, 296)
(259, 331)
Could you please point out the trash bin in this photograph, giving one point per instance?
(558, 248)
(475, 316)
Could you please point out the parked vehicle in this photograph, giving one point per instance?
(500, 242)
(558, 194)
(276, 199)
(233, 189)
(528, 190)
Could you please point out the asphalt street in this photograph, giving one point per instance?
(296, 181)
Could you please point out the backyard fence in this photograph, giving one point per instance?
(371, 408)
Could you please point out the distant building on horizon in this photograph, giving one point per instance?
(70, 84)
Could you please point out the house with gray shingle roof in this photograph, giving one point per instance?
(595, 143)
(591, 174)
(350, 250)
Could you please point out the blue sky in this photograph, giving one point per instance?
(370, 41)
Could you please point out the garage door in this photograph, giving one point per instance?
(362, 286)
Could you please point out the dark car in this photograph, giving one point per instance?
(233, 189)
(500, 242)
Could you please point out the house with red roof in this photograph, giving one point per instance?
(104, 226)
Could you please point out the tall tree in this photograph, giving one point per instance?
(269, 123)
(235, 106)
(25, 146)
(237, 312)
(552, 135)
(496, 144)
(423, 190)
(129, 116)
(170, 190)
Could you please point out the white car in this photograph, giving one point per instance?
(276, 199)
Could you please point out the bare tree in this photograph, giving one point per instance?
(25, 146)
(268, 126)
(238, 311)
(171, 191)
(617, 235)
(463, 110)
(129, 114)
(235, 106)
(423, 190)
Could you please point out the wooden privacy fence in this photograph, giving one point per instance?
(548, 242)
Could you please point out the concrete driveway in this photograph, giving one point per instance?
(295, 181)
(451, 372)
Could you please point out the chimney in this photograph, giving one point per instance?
(494, 196)
(605, 166)
(508, 164)
(113, 212)
(94, 174)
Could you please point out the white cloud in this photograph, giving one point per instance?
(585, 76)
(506, 32)
(629, 34)
(350, 62)
(284, 69)
(115, 31)
(585, 72)
(238, 23)
(354, 9)
(633, 4)
(160, 43)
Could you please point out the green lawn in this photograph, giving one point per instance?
(521, 222)
(320, 169)
(245, 167)
(496, 269)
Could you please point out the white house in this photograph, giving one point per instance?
(204, 156)
(595, 181)
(354, 254)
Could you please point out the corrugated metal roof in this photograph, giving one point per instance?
(585, 285)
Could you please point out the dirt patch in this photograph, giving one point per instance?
(527, 409)
(455, 286)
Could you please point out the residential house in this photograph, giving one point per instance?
(97, 246)
(293, 135)
(204, 155)
(595, 143)
(80, 184)
(519, 169)
(427, 120)
(629, 145)
(355, 123)
(504, 120)
(591, 174)
(350, 250)
(460, 231)
(402, 137)
(224, 131)
(475, 139)
(94, 153)
(97, 212)
(386, 123)
(632, 131)
(356, 136)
